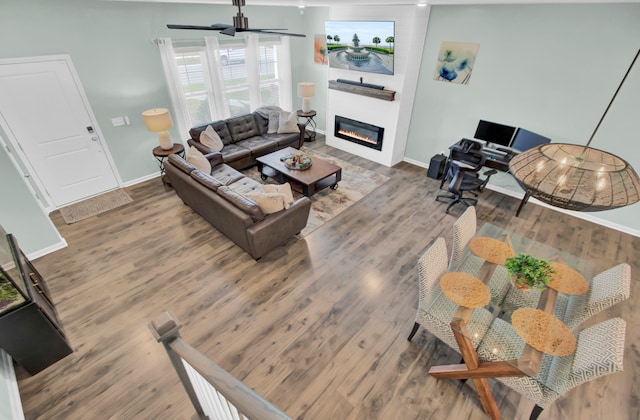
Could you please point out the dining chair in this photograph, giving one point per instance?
(434, 307)
(463, 230)
(599, 352)
(606, 289)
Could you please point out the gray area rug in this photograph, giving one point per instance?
(356, 183)
(94, 205)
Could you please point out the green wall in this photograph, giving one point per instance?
(549, 68)
(111, 46)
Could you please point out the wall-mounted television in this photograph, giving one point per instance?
(494, 133)
(525, 140)
(364, 46)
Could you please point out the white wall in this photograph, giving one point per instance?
(551, 69)
(410, 24)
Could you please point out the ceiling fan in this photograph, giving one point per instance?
(240, 24)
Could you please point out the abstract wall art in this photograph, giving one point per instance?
(455, 62)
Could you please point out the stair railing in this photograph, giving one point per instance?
(214, 392)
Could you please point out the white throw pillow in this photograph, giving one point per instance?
(284, 190)
(274, 118)
(210, 138)
(268, 202)
(198, 160)
(288, 123)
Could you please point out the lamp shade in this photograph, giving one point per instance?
(306, 89)
(575, 177)
(158, 120)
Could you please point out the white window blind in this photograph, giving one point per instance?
(223, 78)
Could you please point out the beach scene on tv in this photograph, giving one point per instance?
(359, 45)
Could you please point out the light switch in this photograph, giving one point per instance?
(118, 121)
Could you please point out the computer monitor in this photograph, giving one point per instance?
(525, 140)
(494, 133)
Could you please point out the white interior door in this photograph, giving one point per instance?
(43, 109)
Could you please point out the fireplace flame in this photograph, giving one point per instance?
(357, 136)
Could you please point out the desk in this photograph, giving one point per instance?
(475, 329)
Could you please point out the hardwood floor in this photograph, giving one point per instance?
(318, 326)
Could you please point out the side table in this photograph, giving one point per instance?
(161, 155)
(309, 124)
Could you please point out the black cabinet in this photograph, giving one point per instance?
(29, 327)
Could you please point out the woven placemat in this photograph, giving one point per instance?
(543, 332)
(490, 249)
(465, 290)
(567, 280)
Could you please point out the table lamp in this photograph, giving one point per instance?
(306, 91)
(158, 120)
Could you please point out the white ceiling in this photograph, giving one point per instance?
(312, 3)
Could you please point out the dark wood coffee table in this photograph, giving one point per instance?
(320, 175)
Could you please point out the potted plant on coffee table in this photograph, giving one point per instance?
(528, 272)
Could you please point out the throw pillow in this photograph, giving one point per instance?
(210, 138)
(288, 122)
(198, 160)
(274, 118)
(268, 202)
(284, 190)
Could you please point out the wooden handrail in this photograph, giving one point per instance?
(165, 329)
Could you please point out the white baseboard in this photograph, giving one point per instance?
(141, 179)
(48, 250)
(579, 215)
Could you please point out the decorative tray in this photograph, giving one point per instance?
(298, 161)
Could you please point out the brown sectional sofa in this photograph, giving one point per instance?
(245, 138)
(218, 198)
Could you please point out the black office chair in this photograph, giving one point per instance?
(463, 174)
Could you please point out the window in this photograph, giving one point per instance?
(194, 83)
(224, 78)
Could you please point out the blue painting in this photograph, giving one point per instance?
(455, 62)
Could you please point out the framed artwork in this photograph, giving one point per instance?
(455, 62)
(320, 50)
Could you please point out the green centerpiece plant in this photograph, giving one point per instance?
(528, 272)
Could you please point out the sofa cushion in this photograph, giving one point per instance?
(284, 140)
(268, 202)
(272, 115)
(197, 159)
(206, 180)
(245, 185)
(225, 174)
(243, 127)
(259, 145)
(181, 164)
(233, 152)
(282, 189)
(210, 138)
(248, 206)
(262, 121)
(220, 127)
(288, 122)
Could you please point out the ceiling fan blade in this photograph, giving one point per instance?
(231, 31)
(216, 27)
(269, 31)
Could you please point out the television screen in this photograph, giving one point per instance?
(494, 133)
(363, 46)
(525, 140)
